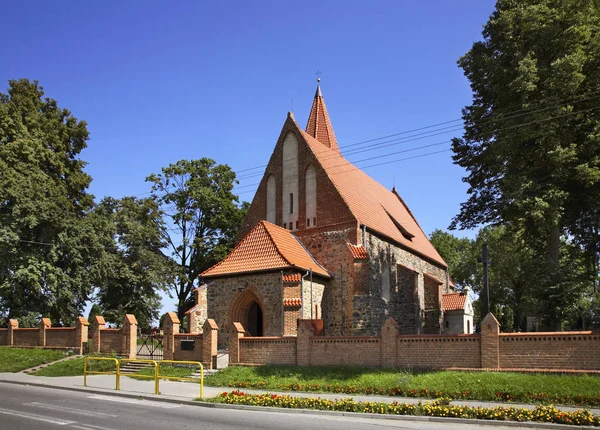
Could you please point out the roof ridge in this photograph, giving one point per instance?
(273, 241)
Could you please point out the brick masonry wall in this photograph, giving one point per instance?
(562, 350)
(61, 337)
(111, 340)
(407, 302)
(3, 336)
(268, 350)
(439, 351)
(345, 351)
(26, 337)
(195, 355)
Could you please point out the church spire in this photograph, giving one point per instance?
(319, 125)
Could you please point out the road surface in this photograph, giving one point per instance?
(27, 407)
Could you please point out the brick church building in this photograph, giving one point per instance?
(323, 240)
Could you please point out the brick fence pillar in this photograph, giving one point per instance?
(97, 325)
(305, 333)
(44, 325)
(210, 336)
(490, 342)
(12, 325)
(389, 336)
(129, 332)
(81, 335)
(234, 342)
(170, 327)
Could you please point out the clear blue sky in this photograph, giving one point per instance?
(162, 81)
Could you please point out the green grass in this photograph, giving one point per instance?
(17, 359)
(179, 371)
(74, 367)
(579, 389)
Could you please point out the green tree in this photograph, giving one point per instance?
(94, 312)
(46, 244)
(531, 145)
(460, 255)
(198, 201)
(133, 268)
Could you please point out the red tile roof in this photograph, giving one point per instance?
(267, 247)
(293, 278)
(373, 205)
(453, 301)
(292, 302)
(358, 252)
(319, 125)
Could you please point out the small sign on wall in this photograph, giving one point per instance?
(187, 345)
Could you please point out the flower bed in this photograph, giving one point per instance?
(428, 394)
(436, 408)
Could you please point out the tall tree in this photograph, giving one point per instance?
(197, 198)
(531, 145)
(133, 269)
(46, 244)
(460, 255)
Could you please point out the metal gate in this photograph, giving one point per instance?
(150, 346)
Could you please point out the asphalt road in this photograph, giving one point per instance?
(27, 407)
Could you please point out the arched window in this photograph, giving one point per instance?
(385, 279)
(271, 199)
(310, 178)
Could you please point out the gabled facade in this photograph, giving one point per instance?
(458, 313)
(378, 261)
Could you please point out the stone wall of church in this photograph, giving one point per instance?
(406, 303)
(329, 246)
(230, 298)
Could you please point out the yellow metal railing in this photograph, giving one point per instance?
(134, 360)
(156, 376)
(88, 372)
(183, 378)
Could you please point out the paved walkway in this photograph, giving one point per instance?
(187, 391)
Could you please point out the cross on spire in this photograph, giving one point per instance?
(318, 75)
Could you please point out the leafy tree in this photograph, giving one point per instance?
(133, 269)
(531, 145)
(460, 255)
(197, 198)
(46, 244)
(94, 311)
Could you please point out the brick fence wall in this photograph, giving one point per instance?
(46, 336)
(120, 341)
(190, 347)
(489, 350)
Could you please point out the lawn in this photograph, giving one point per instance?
(495, 386)
(18, 359)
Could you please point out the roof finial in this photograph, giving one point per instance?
(318, 75)
(318, 94)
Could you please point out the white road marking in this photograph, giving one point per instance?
(134, 401)
(36, 417)
(90, 427)
(72, 410)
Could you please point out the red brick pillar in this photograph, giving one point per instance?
(389, 336)
(210, 336)
(490, 342)
(97, 325)
(12, 325)
(234, 343)
(305, 333)
(129, 333)
(45, 324)
(170, 327)
(81, 335)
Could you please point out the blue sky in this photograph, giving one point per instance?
(162, 81)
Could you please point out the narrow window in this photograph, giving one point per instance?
(291, 203)
(315, 221)
(284, 225)
(308, 222)
(448, 324)
(468, 326)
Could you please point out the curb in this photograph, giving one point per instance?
(202, 404)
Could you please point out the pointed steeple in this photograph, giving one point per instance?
(319, 125)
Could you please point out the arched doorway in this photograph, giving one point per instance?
(248, 309)
(255, 320)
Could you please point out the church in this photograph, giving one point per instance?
(324, 241)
